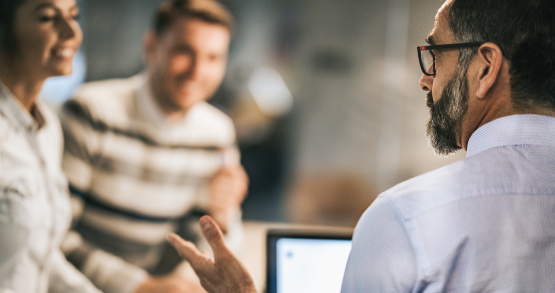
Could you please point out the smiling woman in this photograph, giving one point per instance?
(47, 36)
(38, 39)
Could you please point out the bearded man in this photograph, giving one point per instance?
(482, 224)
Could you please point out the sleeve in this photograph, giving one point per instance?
(66, 278)
(13, 237)
(382, 258)
(16, 224)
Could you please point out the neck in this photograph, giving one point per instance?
(23, 86)
(500, 107)
(171, 113)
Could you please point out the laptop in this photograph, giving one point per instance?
(306, 261)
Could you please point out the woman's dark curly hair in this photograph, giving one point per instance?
(8, 10)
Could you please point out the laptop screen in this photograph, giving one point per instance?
(306, 263)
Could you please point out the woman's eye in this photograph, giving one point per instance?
(46, 18)
(47, 14)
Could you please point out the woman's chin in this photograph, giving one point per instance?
(60, 71)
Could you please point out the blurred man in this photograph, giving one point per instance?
(485, 223)
(147, 155)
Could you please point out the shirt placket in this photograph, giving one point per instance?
(32, 134)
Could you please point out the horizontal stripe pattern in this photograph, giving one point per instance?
(146, 172)
(92, 201)
(139, 176)
(78, 111)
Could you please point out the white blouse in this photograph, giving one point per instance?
(35, 213)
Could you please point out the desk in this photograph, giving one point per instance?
(254, 250)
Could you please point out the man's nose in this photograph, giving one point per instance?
(426, 82)
(197, 67)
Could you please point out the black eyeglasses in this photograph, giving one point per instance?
(428, 59)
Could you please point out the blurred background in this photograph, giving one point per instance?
(324, 95)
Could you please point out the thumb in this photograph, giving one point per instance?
(186, 249)
(214, 236)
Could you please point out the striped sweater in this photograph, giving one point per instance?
(134, 177)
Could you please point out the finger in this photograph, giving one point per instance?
(186, 250)
(206, 284)
(214, 236)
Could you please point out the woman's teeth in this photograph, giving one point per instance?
(65, 52)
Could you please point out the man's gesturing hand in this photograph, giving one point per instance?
(224, 274)
(170, 284)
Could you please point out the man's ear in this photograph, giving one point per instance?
(149, 43)
(490, 57)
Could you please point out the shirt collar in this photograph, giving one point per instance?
(15, 112)
(525, 129)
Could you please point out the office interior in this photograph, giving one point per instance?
(324, 95)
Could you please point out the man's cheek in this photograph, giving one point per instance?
(179, 64)
(437, 90)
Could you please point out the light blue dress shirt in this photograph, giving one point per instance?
(482, 224)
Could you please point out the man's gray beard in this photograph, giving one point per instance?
(447, 114)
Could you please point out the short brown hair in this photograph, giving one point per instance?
(209, 11)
